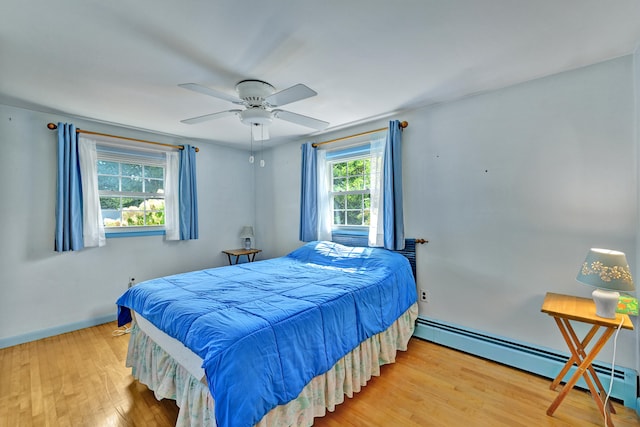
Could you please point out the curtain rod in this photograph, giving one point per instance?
(317, 144)
(53, 126)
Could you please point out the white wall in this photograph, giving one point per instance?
(278, 200)
(42, 290)
(511, 188)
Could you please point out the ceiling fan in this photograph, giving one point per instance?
(259, 98)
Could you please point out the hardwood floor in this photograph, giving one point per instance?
(79, 379)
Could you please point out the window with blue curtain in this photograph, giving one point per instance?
(121, 188)
(354, 190)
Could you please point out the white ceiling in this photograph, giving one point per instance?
(121, 61)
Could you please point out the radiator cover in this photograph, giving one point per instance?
(530, 358)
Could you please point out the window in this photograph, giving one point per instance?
(131, 189)
(350, 194)
(349, 185)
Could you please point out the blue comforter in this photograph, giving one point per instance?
(265, 329)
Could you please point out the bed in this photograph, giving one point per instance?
(270, 343)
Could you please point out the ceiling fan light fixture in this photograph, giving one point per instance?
(255, 116)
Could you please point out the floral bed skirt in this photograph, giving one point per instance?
(155, 368)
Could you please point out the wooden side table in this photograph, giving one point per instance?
(564, 308)
(250, 253)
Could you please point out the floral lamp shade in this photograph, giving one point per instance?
(247, 235)
(609, 272)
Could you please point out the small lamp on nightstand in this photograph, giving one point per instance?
(608, 271)
(247, 235)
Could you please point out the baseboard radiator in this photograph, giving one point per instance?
(537, 360)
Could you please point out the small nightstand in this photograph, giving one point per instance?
(250, 253)
(565, 308)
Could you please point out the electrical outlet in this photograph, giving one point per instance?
(131, 280)
(424, 295)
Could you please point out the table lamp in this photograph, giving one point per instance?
(247, 235)
(608, 271)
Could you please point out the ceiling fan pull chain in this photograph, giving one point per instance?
(251, 158)
(262, 146)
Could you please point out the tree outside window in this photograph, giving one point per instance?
(350, 192)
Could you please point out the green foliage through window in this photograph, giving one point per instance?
(350, 192)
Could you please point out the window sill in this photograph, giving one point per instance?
(133, 233)
(350, 232)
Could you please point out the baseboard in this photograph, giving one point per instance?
(525, 356)
(56, 330)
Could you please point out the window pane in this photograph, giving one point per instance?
(354, 201)
(356, 167)
(339, 184)
(366, 199)
(154, 218)
(132, 184)
(356, 183)
(108, 183)
(354, 217)
(367, 217)
(131, 170)
(111, 218)
(154, 205)
(339, 170)
(153, 185)
(338, 217)
(131, 217)
(339, 202)
(153, 172)
(108, 168)
(132, 202)
(110, 203)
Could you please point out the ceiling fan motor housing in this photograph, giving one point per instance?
(253, 92)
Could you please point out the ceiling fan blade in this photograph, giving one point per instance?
(300, 119)
(211, 92)
(260, 132)
(289, 95)
(212, 116)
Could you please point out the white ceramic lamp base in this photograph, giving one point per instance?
(606, 303)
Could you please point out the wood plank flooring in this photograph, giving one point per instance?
(79, 379)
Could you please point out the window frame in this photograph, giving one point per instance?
(345, 155)
(134, 156)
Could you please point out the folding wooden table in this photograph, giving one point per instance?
(564, 308)
(250, 253)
